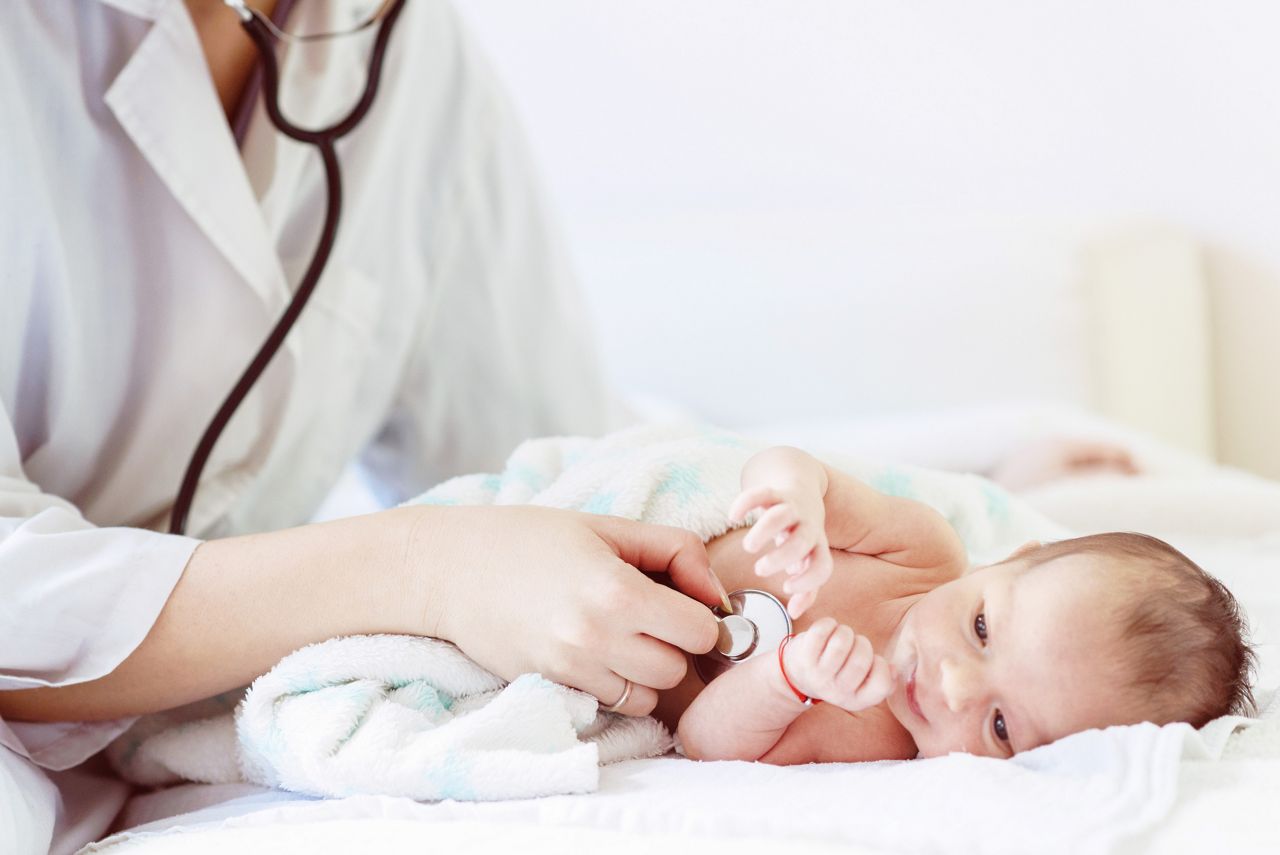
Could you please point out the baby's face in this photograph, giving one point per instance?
(1005, 659)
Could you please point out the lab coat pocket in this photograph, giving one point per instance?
(339, 394)
(344, 377)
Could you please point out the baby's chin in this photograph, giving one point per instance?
(919, 733)
(896, 704)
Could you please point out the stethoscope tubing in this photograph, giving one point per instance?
(324, 140)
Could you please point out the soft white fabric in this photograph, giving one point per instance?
(1083, 794)
(687, 475)
(391, 715)
(145, 258)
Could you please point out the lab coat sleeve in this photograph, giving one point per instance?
(505, 352)
(78, 599)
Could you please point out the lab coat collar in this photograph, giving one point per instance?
(166, 102)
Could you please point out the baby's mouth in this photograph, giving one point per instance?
(911, 696)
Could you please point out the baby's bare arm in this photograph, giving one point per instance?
(741, 714)
(901, 531)
(859, 518)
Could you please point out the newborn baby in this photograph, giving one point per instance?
(912, 652)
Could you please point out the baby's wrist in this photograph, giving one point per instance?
(784, 683)
(785, 469)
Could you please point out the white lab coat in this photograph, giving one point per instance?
(143, 258)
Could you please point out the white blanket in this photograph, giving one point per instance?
(1086, 793)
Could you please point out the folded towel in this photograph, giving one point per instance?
(392, 715)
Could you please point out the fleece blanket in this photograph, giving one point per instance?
(415, 717)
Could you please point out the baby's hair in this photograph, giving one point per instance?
(1185, 633)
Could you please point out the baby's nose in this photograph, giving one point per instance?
(958, 684)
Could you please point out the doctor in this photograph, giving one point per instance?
(152, 226)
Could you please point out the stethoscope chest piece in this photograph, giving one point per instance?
(757, 625)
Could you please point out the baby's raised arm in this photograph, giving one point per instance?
(809, 506)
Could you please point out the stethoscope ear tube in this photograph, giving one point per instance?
(323, 140)
(262, 37)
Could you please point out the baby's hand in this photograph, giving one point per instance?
(792, 531)
(829, 662)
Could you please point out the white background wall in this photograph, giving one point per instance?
(806, 209)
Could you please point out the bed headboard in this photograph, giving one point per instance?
(1185, 344)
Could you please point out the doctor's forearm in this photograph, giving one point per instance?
(243, 603)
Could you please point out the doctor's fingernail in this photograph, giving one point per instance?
(719, 588)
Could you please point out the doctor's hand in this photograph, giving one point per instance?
(518, 589)
(528, 589)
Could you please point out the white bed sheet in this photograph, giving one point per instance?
(1225, 805)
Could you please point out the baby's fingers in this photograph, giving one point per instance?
(792, 551)
(799, 604)
(842, 647)
(810, 643)
(772, 523)
(877, 686)
(814, 576)
(749, 500)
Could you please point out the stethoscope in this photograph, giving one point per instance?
(756, 625)
(263, 32)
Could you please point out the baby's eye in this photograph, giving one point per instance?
(998, 725)
(980, 626)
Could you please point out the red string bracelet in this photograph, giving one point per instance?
(804, 699)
